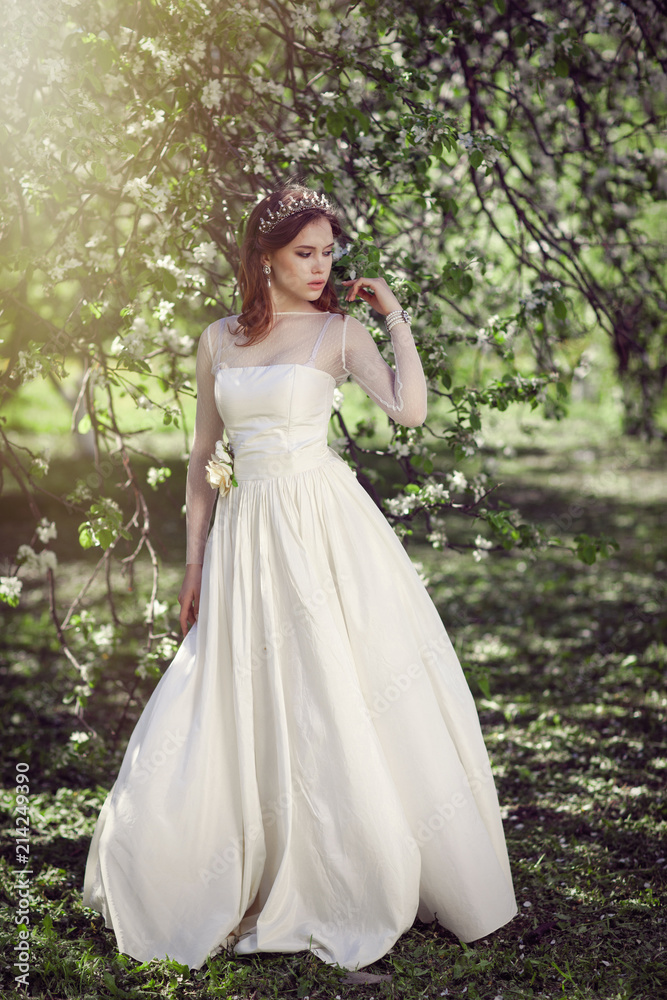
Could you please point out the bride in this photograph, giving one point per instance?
(309, 772)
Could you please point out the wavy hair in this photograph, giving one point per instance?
(256, 317)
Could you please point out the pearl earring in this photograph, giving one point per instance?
(267, 272)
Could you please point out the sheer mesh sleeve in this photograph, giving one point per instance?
(199, 495)
(401, 392)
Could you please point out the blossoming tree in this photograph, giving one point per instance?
(503, 164)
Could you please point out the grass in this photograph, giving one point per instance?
(575, 724)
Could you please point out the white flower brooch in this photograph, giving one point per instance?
(220, 469)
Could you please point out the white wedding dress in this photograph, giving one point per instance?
(309, 772)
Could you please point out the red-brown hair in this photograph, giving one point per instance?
(256, 317)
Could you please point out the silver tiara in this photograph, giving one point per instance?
(272, 219)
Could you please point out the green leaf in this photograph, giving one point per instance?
(476, 158)
(168, 280)
(335, 123)
(562, 67)
(364, 120)
(86, 539)
(500, 6)
(60, 190)
(586, 549)
(110, 982)
(560, 309)
(105, 537)
(104, 56)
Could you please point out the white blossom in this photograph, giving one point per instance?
(399, 448)
(205, 253)
(28, 367)
(158, 608)
(434, 492)
(437, 538)
(355, 30)
(103, 636)
(166, 647)
(10, 589)
(198, 50)
(135, 342)
(212, 94)
(331, 37)
(302, 18)
(56, 70)
(155, 475)
(340, 251)
(157, 119)
(300, 147)
(339, 444)
(26, 556)
(40, 467)
(47, 560)
(338, 399)
(179, 343)
(169, 264)
(483, 543)
(46, 530)
(421, 572)
(457, 480)
(271, 87)
(163, 311)
(137, 187)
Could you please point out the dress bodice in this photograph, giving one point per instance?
(275, 416)
(272, 397)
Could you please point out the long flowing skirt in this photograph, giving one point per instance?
(309, 772)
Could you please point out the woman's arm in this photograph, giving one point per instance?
(400, 391)
(199, 496)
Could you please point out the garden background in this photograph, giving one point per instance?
(504, 165)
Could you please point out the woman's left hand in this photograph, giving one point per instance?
(375, 291)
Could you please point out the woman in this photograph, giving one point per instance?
(310, 771)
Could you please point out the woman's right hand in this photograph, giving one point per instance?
(188, 597)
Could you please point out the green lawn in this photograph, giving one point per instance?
(574, 658)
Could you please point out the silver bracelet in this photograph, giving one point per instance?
(392, 319)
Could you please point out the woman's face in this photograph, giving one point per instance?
(300, 270)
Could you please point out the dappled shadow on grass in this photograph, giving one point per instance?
(576, 726)
(575, 723)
